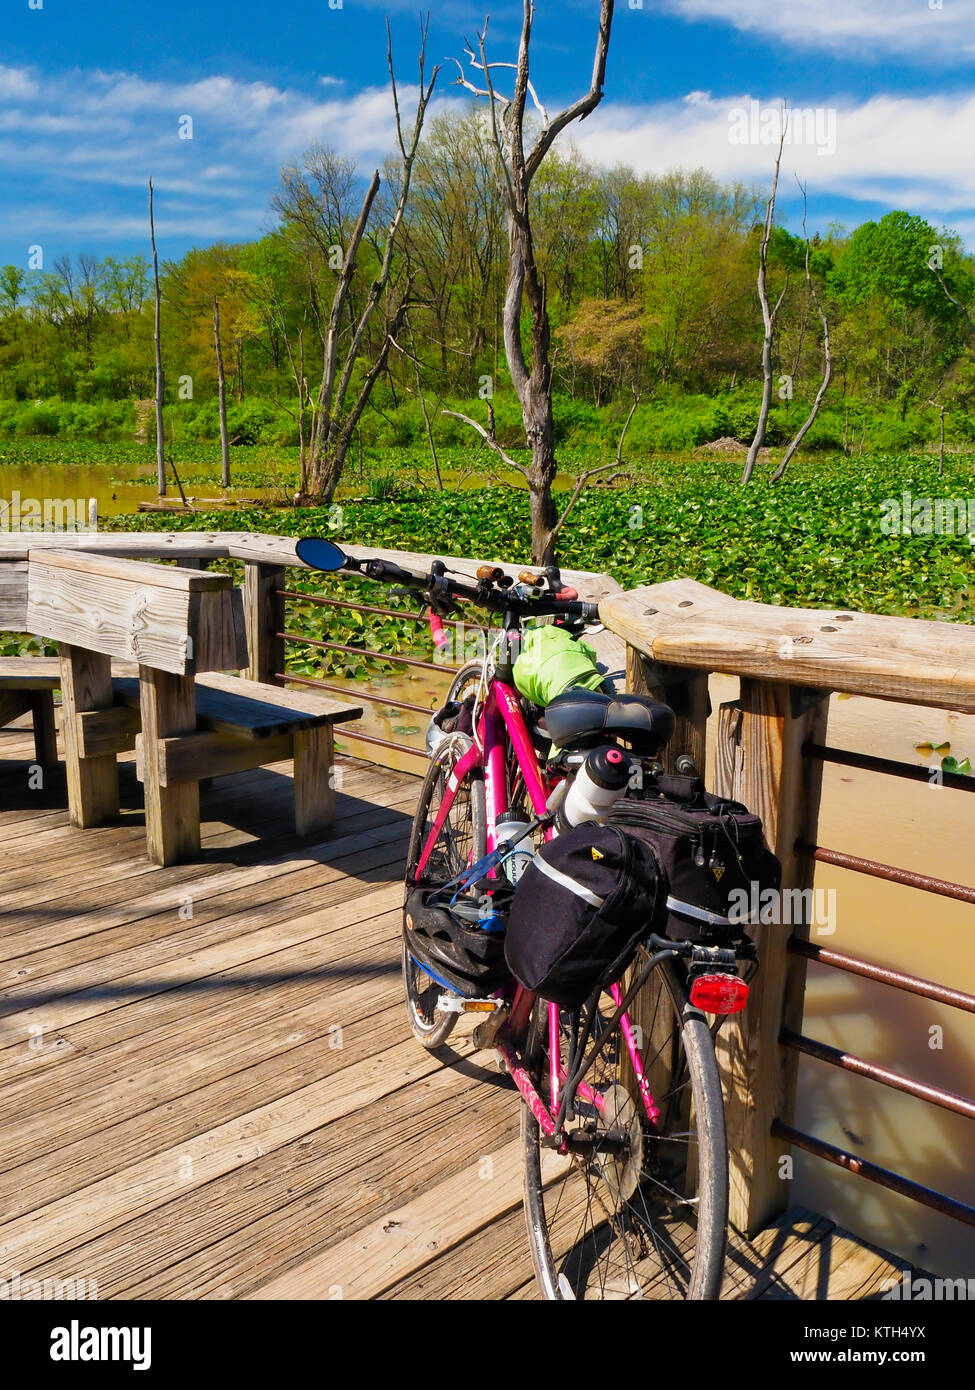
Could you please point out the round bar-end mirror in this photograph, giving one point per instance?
(319, 554)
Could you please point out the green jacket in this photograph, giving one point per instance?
(551, 661)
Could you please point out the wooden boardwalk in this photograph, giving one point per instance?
(207, 1085)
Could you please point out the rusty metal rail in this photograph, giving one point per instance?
(941, 886)
(927, 989)
(888, 766)
(286, 635)
(836, 1057)
(948, 1206)
(913, 984)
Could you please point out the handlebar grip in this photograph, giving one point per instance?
(440, 637)
(490, 572)
(386, 569)
(535, 580)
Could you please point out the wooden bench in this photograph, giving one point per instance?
(27, 686)
(169, 625)
(240, 725)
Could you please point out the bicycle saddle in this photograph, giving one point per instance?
(580, 718)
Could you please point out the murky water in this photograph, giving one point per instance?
(99, 481)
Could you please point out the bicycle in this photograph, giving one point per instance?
(623, 1126)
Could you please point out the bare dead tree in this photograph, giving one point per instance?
(335, 418)
(160, 432)
(533, 384)
(810, 419)
(221, 398)
(769, 316)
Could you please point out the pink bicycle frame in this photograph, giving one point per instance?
(502, 725)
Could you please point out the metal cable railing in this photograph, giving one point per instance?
(925, 989)
(286, 635)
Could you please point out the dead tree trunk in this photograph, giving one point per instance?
(533, 385)
(160, 432)
(221, 398)
(769, 314)
(335, 421)
(810, 419)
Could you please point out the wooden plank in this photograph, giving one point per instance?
(193, 757)
(172, 619)
(99, 1140)
(264, 616)
(166, 1029)
(13, 596)
(86, 684)
(318, 707)
(75, 564)
(231, 706)
(167, 708)
(223, 1240)
(104, 731)
(217, 624)
(29, 672)
(162, 1177)
(314, 780)
(161, 967)
(401, 1241)
(684, 623)
(134, 617)
(773, 780)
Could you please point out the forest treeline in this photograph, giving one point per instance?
(650, 286)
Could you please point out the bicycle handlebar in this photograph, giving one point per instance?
(501, 600)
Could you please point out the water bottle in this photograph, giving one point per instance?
(597, 786)
(511, 829)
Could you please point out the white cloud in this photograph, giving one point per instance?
(857, 29)
(904, 151)
(115, 129)
(94, 137)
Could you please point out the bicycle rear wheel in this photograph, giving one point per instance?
(648, 1220)
(461, 841)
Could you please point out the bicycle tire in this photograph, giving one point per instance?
(429, 1024)
(684, 1258)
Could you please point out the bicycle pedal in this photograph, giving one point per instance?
(457, 1004)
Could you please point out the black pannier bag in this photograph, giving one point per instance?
(714, 856)
(581, 908)
(450, 942)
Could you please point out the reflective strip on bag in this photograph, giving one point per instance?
(700, 914)
(564, 881)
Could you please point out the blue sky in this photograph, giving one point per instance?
(91, 96)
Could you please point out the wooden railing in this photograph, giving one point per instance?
(770, 747)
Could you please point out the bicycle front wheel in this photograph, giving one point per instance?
(461, 841)
(648, 1218)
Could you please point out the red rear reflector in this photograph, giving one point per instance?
(719, 994)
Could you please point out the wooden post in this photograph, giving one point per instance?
(314, 779)
(45, 732)
(759, 761)
(686, 692)
(264, 617)
(167, 705)
(86, 684)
